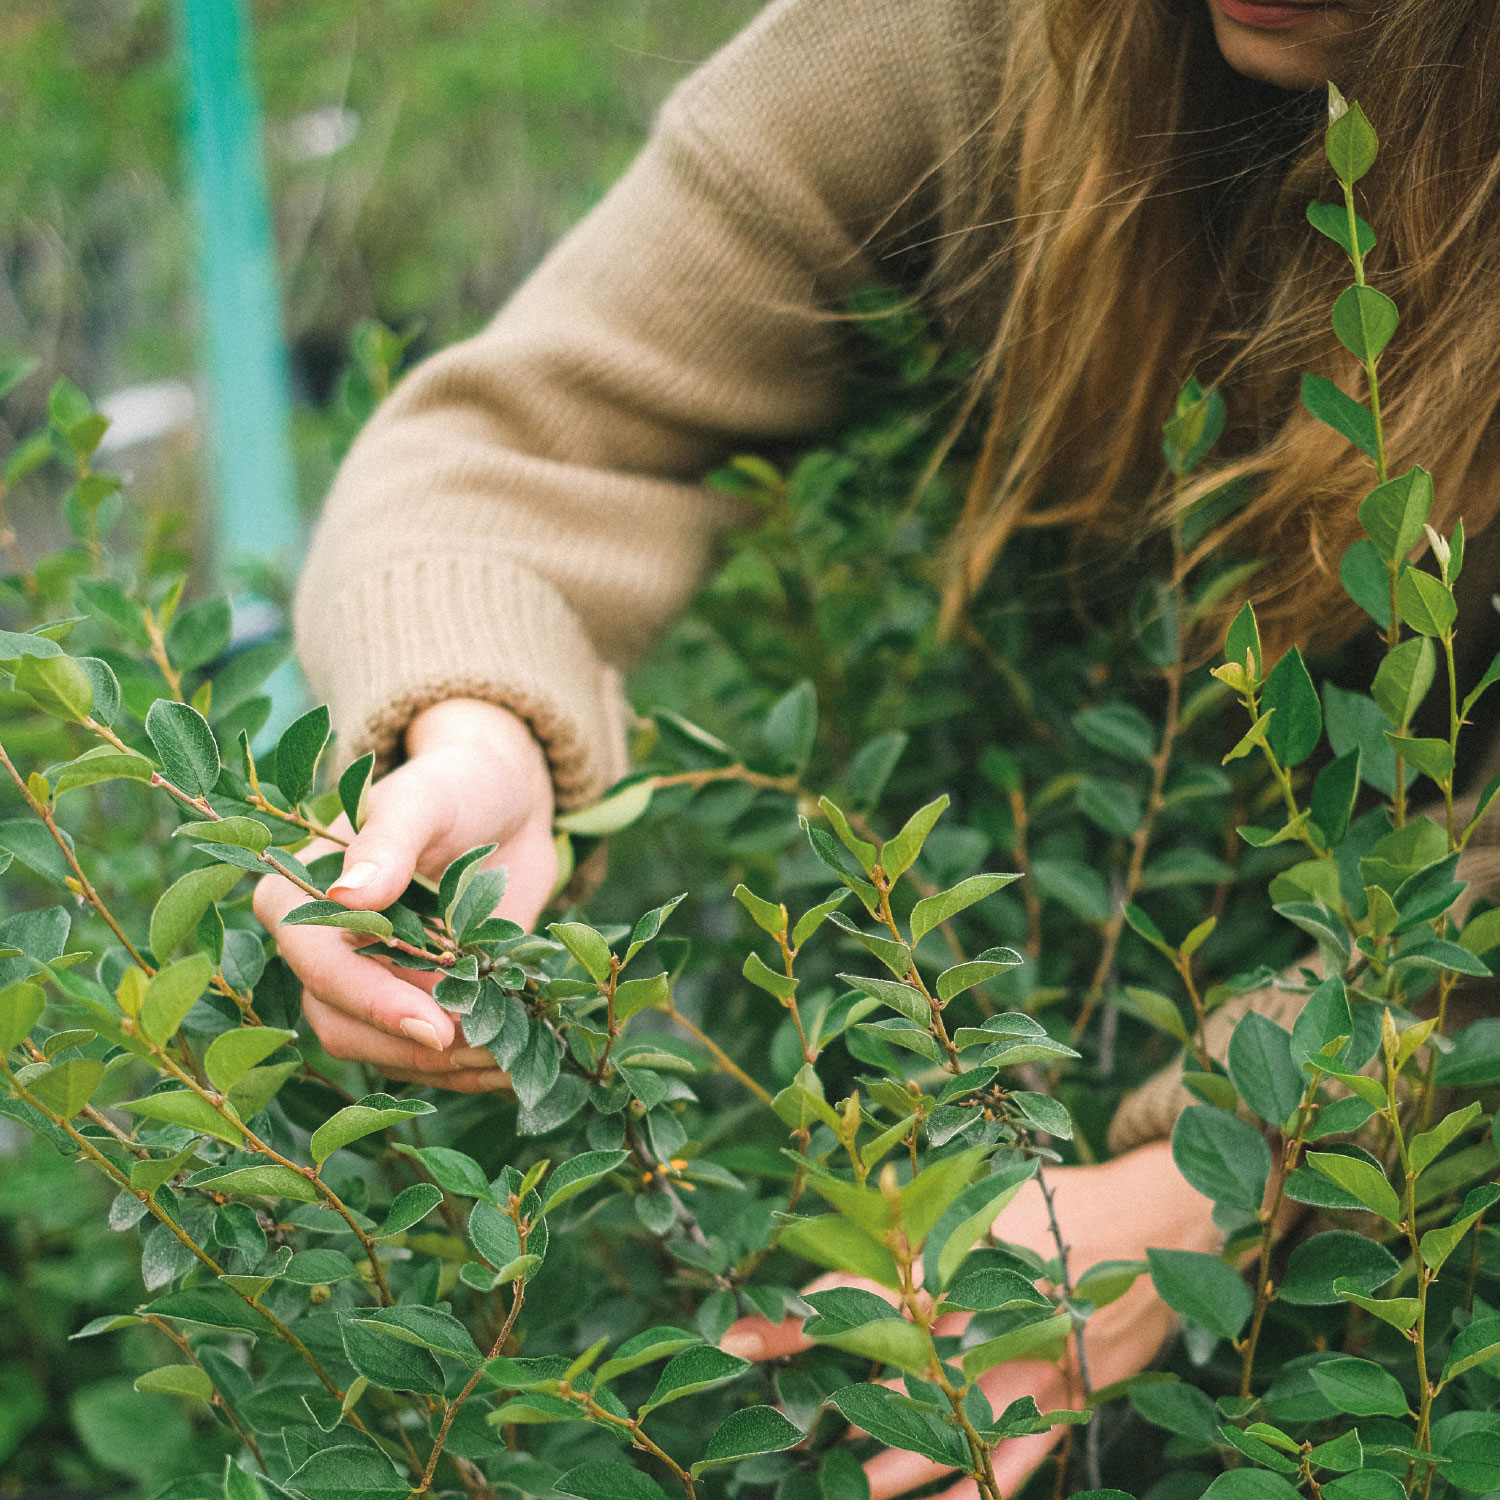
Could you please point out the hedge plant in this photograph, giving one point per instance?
(856, 1019)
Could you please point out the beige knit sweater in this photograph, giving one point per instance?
(522, 518)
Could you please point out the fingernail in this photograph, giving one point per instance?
(494, 1078)
(423, 1033)
(357, 877)
(743, 1345)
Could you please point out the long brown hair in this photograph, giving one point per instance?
(1154, 234)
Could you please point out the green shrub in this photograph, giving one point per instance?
(849, 1050)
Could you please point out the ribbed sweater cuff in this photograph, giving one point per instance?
(443, 626)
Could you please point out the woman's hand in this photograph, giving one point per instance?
(1112, 1211)
(474, 775)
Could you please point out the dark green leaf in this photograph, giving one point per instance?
(185, 745)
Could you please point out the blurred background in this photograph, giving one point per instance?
(420, 157)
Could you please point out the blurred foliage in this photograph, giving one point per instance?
(423, 155)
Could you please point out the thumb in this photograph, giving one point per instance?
(404, 817)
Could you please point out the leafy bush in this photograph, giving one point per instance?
(354, 1291)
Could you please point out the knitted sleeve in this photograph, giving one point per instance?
(523, 517)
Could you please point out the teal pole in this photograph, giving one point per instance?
(249, 408)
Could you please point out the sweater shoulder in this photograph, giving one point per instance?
(864, 102)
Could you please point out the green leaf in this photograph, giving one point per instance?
(1359, 1387)
(587, 947)
(182, 1107)
(1475, 1345)
(835, 1243)
(1324, 1017)
(58, 685)
(697, 1369)
(1158, 1010)
(1351, 145)
(1076, 885)
(101, 764)
(1332, 219)
(1399, 1312)
(1243, 638)
(1042, 1339)
(1402, 680)
(64, 1088)
(897, 855)
(429, 1328)
(967, 1218)
(904, 998)
(1438, 1244)
(791, 726)
(896, 1421)
(644, 1349)
(388, 1361)
(605, 1479)
(353, 1122)
(768, 917)
(989, 964)
(21, 1007)
(1367, 580)
(745, 1433)
(243, 833)
(1340, 411)
(232, 1054)
(1222, 1156)
(1119, 730)
(765, 978)
(411, 1206)
(348, 1473)
(1361, 1180)
(1324, 1259)
(1203, 1288)
(1297, 716)
(198, 634)
(354, 786)
(1364, 321)
(177, 1380)
(298, 752)
(264, 1180)
(1261, 1067)
(609, 815)
(1490, 678)
(1426, 603)
(894, 955)
(861, 849)
(452, 1170)
(1249, 1484)
(861, 1323)
(331, 914)
(840, 1477)
(1427, 1147)
(1393, 514)
(634, 995)
(992, 1289)
(1473, 1461)
(1333, 796)
(172, 993)
(933, 911)
(578, 1173)
(176, 915)
(1177, 1407)
(185, 745)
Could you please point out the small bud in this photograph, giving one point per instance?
(1390, 1038)
(1440, 550)
(890, 1186)
(320, 1293)
(1338, 106)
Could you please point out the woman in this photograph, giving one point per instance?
(1104, 195)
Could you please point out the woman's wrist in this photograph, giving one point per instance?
(455, 720)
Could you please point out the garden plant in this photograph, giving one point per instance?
(873, 1019)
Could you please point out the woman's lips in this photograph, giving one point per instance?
(1273, 15)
